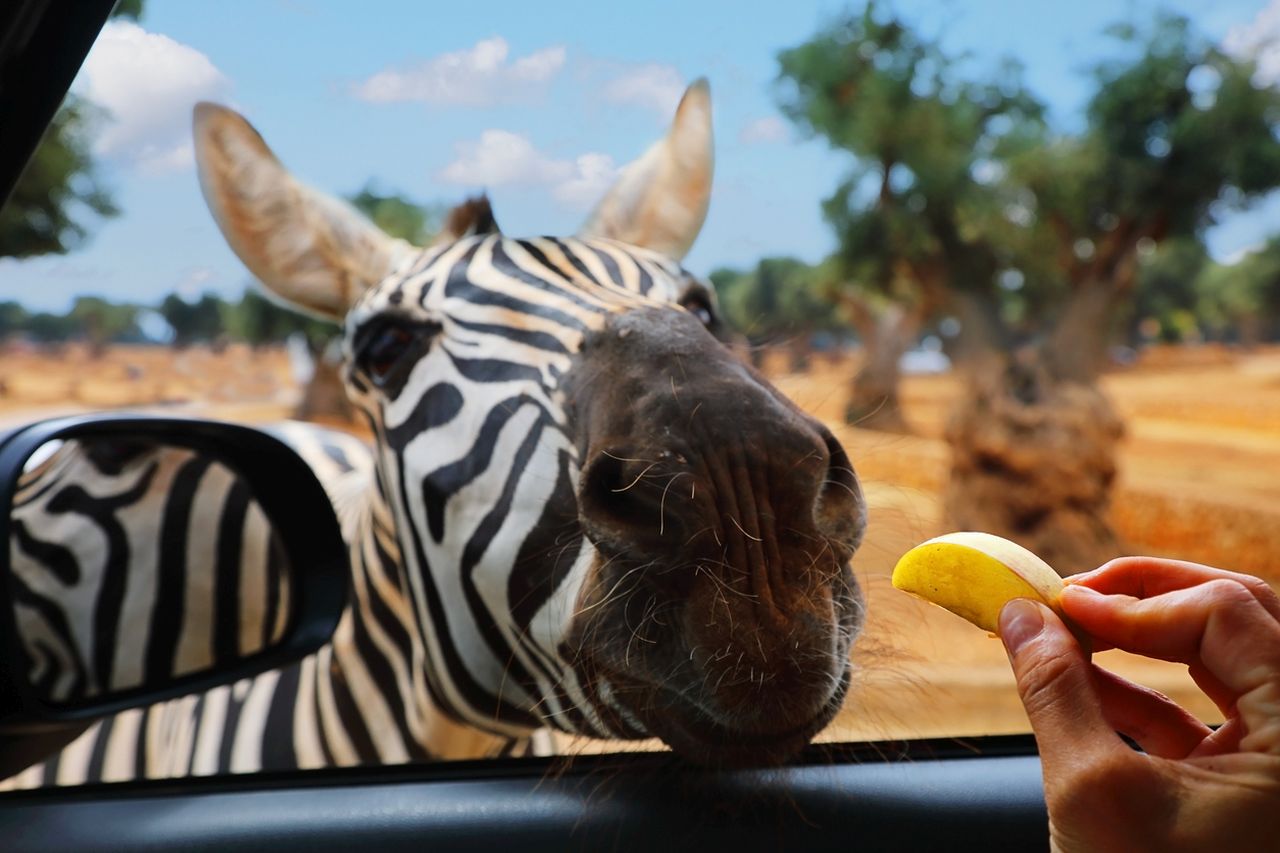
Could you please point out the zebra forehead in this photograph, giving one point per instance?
(602, 276)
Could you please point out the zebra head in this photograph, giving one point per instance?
(605, 521)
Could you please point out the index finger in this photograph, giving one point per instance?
(1218, 624)
(1145, 577)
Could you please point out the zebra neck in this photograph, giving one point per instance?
(376, 665)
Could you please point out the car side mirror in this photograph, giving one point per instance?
(143, 558)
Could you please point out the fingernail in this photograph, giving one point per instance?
(1020, 621)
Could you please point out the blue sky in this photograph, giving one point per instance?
(539, 103)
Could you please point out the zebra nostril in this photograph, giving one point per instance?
(622, 498)
(839, 508)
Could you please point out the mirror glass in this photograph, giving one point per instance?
(134, 563)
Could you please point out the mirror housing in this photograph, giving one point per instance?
(302, 523)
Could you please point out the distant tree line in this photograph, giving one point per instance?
(253, 319)
(1181, 295)
(209, 318)
(1184, 296)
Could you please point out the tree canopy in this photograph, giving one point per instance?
(964, 203)
(399, 215)
(60, 192)
(915, 217)
(962, 199)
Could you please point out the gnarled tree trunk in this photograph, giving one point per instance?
(1034, 444)
(324, 397)
(800, 353)
(886, 335)
(1034, 461)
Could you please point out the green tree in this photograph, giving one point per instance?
(90, 318)
(100, 321)
(963, 202)
(1240, 302)
(258, 321)
(60, 191)
(131, 9)
(914, 216)
(1176, 134)
(193, 322)
(45, 215)
(1166, 299)
(399, 215)
(779, 302)
(48, 328)
(13, 318)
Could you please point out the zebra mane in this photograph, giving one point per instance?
(471, 218)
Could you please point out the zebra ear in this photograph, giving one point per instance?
(312, 250)
(660, 201)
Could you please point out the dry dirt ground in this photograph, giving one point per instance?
(1200, 479)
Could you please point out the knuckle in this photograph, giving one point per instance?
(1106, 774)
(1260, 708)
(1042, 679)
(1261, 590)
(1229, 592)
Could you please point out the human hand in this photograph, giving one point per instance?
(1194, 788)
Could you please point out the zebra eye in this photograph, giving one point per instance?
(387, 351)
(699, 308)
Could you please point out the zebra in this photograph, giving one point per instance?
(582, 511)
(89, 509)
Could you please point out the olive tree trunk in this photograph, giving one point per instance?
(800, 353)
(324, 397)
(886, 335)
(1034, 444)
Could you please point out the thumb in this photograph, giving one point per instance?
(1056, 685)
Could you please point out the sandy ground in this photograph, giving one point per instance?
(1200, 479)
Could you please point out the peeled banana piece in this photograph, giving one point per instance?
(975, 574)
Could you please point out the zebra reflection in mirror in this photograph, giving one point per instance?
(582, 513)
(209, 581)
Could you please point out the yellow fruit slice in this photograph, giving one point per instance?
(975, 574)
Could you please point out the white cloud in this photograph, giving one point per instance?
(1259, 40)
(148, 83)
(653, 86)
(593, 174)
(502, 158)
(540, 66)
(767, 129)
(477, 77)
